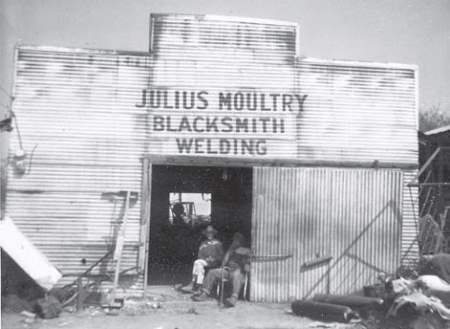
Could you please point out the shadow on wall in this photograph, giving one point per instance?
(346, 254)
(16, 282)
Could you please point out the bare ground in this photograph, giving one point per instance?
(181, 316)
(175, 311)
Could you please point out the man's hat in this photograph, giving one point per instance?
(209, 229)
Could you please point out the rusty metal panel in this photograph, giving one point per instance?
(84, 137)
(352, 215)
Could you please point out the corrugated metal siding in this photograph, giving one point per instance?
(353, 215)
(353, 111)
(221, 37)
(216, 54)
(357, 112)
(410, 231)
(77, 109)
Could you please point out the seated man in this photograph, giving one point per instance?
(179, 216)
(210, 255)
(235, 264)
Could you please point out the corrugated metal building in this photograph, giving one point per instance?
(331, 146)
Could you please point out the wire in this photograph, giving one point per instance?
(31, 159)
(16, 124)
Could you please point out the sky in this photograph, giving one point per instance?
(399, 31)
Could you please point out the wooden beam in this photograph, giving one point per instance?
(428, 163)
(145, 217)
(185, 160)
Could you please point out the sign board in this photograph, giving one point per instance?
(224, 122)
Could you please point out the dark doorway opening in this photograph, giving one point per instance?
(225, 192)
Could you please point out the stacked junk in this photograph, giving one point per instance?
(37, 294)
(416, 298)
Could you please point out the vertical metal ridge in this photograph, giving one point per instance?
(410, 219)
(74, 109)
(349, 214)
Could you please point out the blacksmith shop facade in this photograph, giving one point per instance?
(308, 158)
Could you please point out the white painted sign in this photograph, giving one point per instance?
(243, 123)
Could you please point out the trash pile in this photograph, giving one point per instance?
(140, 306)
(420, 299)
(337, 308)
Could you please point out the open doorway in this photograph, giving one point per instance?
(184, 200)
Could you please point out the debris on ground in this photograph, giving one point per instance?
(28, 317)
(192, 310)
(352, 301)
(323, 311)
(61, 294)
(112, 311)
(13, 303)
(318, 324)
(420, 303)
(28, 314)
(48, 307)
(326, 325)
(363, 306)
(140, 306)
(413, 302)
(407, 302)
(94, 311)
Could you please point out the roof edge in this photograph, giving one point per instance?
(436, 131)
(361, 63)
(241, 19)
(62, 49)
(311, 60)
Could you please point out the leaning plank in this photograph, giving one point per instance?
(27, 256)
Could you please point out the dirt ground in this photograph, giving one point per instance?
(181, 316)
(176, 311)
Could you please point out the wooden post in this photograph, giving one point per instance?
(119, 245)
(145, 217)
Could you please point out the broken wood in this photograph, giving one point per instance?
(27, 256)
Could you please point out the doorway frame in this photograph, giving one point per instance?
(147, 166)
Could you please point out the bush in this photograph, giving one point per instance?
(434, 117)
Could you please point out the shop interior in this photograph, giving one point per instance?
(220, 196)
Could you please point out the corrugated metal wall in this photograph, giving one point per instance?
(358, 112)
(353, 215)
(218, 54)
(79, 110)
(354, 111)
(223, 38)
(410, 229)
(76, 110)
